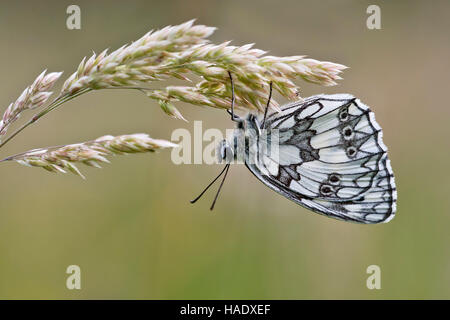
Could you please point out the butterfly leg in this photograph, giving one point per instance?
(267, 106)
(233, 116)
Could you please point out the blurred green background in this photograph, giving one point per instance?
(130, 226)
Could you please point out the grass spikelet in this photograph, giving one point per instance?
(91, 153)
(32, 97)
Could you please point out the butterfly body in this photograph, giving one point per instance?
(325, 153)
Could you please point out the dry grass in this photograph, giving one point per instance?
(91, 153)
(173, 52)
(34, 96)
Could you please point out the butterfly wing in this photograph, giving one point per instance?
(331, 159)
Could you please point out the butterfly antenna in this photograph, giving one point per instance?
(267, 106)
(220, 187)
(209, 185)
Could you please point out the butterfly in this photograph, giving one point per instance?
(330, 157)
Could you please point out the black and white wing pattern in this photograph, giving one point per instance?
(331, 159)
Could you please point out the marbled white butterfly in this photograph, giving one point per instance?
(331, 157)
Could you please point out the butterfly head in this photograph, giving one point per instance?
(225, 152)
